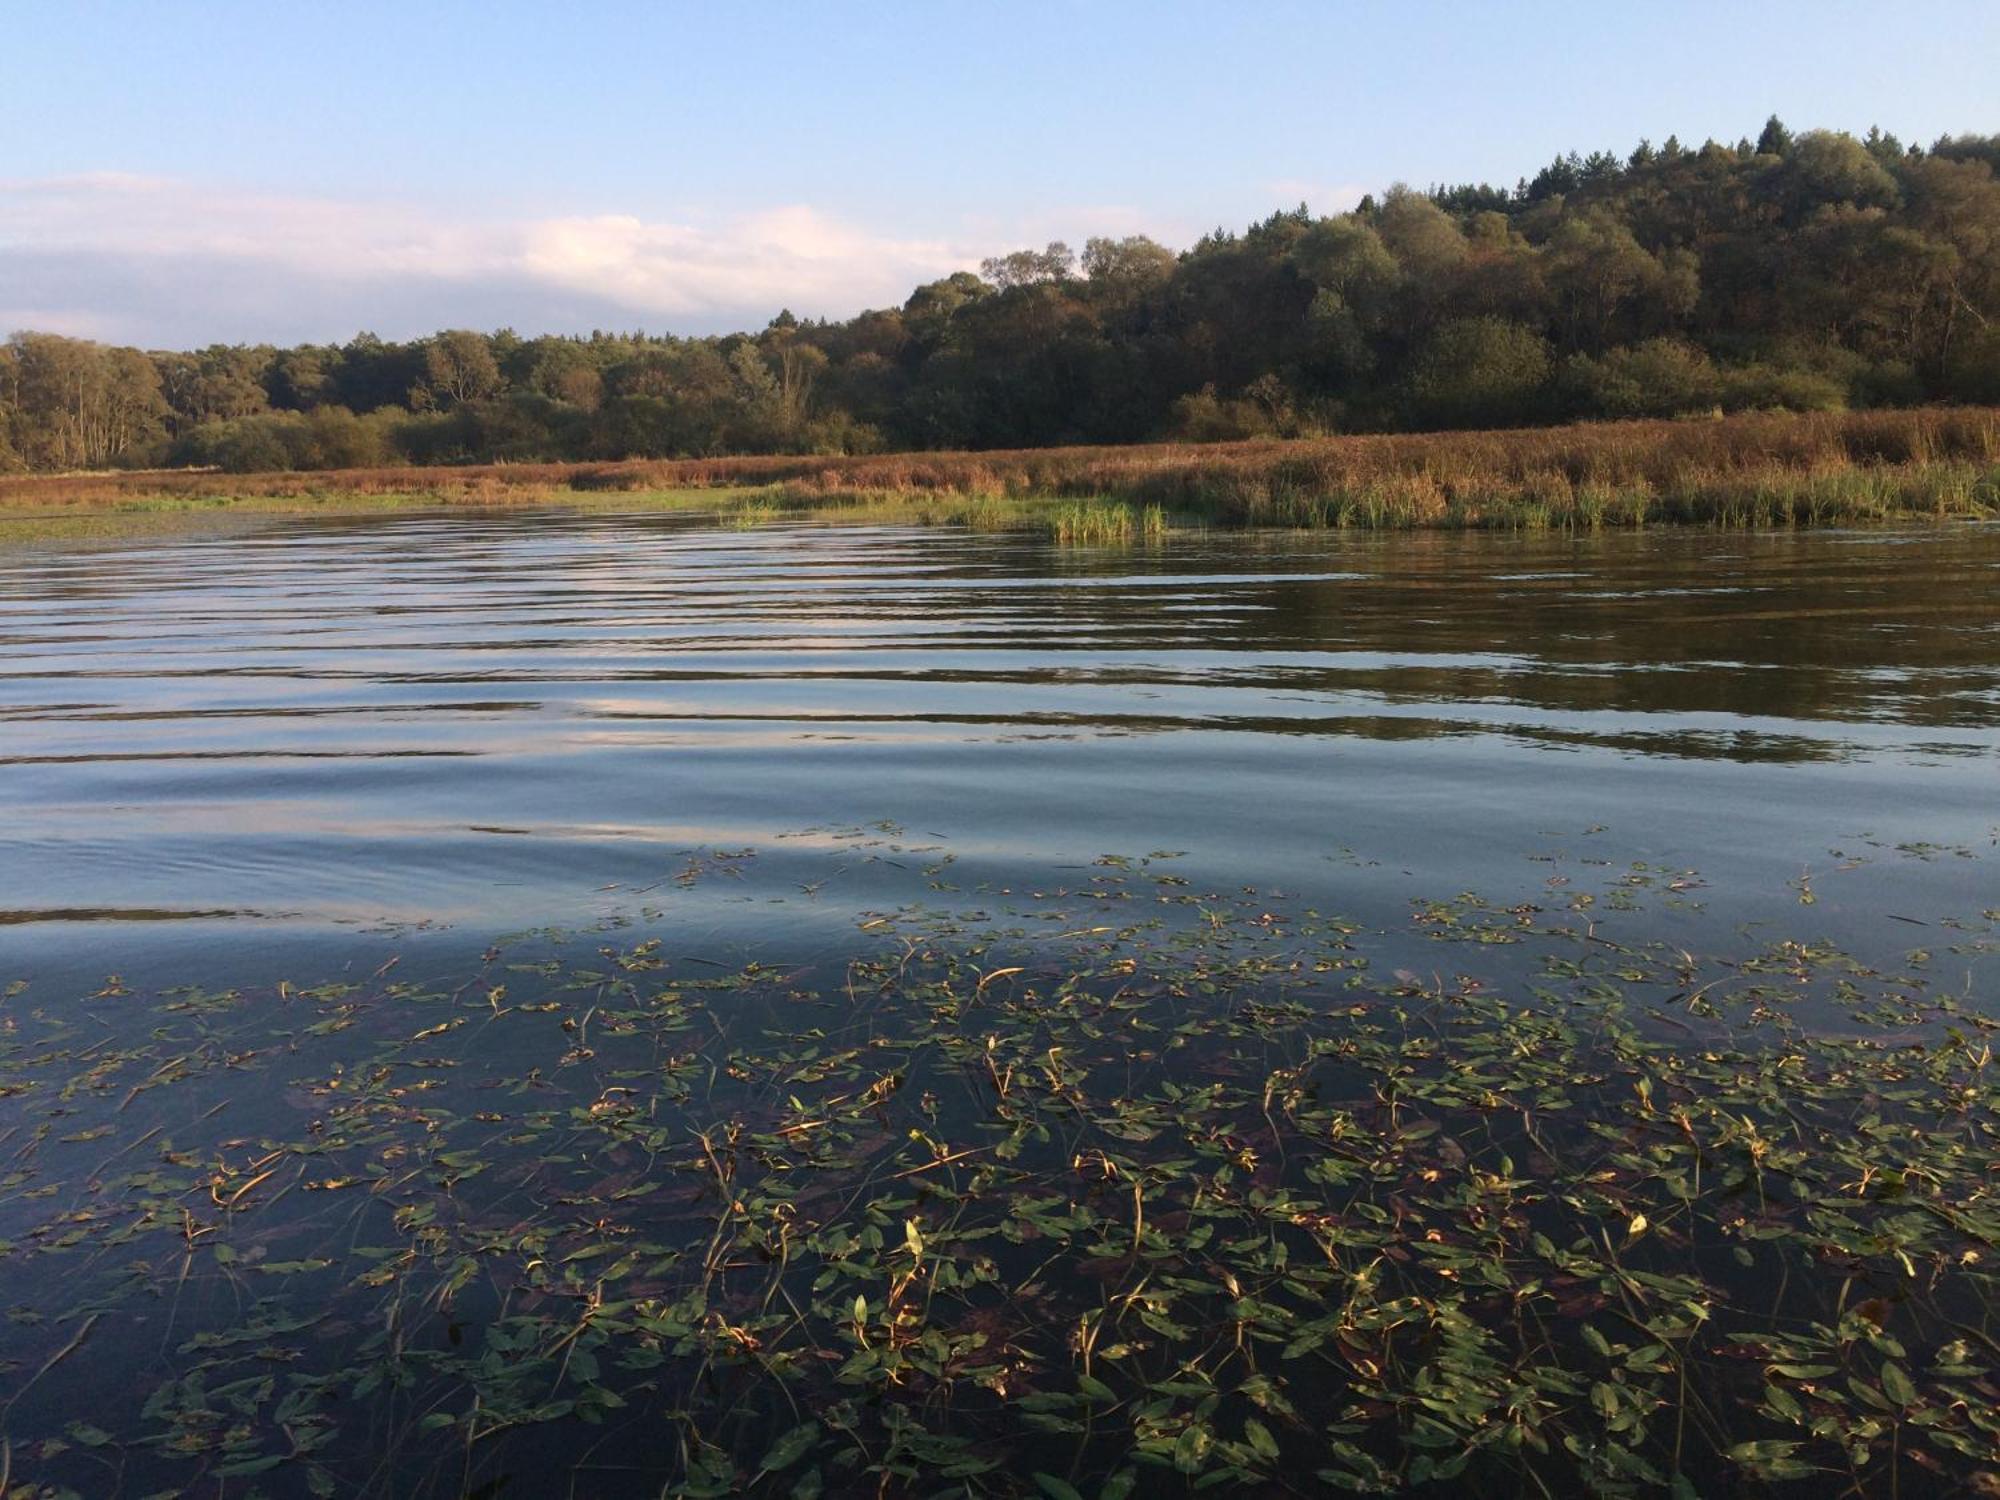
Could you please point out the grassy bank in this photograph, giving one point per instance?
(1075, 522)
(1756, 470)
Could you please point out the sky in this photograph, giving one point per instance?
(175, 175)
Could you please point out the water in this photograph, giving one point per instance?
(220, 750)
(406, 924)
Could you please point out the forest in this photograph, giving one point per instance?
(1812, 272)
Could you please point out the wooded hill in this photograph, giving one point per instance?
(1813, 272)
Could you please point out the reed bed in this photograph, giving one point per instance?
(1761, 469)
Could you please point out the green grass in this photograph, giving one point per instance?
(144, 515)
(1071, 522)
(1100, 522)
(1080, 523)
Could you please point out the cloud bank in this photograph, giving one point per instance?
(167, 263)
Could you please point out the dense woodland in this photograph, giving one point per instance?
(1809, 272)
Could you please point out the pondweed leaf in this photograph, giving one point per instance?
(1897, 1386)
(790, 1448)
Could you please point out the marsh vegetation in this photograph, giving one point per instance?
(1753, 471)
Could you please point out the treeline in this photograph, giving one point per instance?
(1814, 272)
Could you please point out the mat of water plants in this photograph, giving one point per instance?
(1119, 1186)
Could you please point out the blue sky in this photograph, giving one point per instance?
(175, 173)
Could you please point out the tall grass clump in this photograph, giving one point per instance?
(1093, 523)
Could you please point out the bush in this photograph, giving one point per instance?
(329, 437)
(837, 433)
(245, 445)
(1889, 383)
(1480, 372)
(1762, 387)
(334, 438)
(1659, 378)
(1206, 418)
(1974, 372)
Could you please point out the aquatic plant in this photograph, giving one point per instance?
(1104, 1189)
(1089, 522)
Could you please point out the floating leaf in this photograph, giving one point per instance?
(1096, 1389)
(790, 1448)
(1259, 1437)
(1896, 1384)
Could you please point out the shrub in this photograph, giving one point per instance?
(1974, 372)
(1204, 417)
(1480, 372)
(1762, 387)
(245, 445)
(334, 438)
(1659, 378)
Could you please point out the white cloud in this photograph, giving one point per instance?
(162, 261)
(73, 322)
(115, 211)
(794, 255)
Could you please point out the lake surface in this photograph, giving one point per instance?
(217, 750)
(580, 1003)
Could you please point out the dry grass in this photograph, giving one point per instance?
(1760, 469)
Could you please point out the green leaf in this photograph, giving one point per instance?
(1260, 1438)
(1770, 1458)
(1784, 1403)
(1191, 1448)
(244, 1467)
(1057, 1489)
(1898, 1385)
(1764, 1448)
(790, 1448)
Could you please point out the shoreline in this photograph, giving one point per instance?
(1746, 471)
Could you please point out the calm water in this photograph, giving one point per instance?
(321, 737)
(294, 1241)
